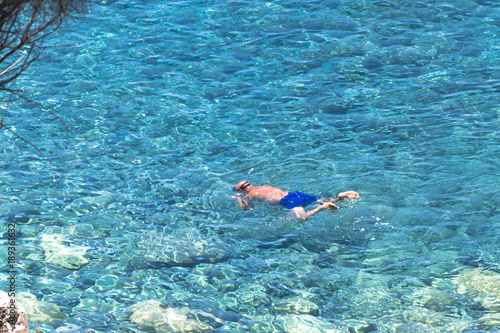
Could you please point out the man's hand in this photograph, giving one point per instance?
(348, 195)
(329, 205)
(242, 202)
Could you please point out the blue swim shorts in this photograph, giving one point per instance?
(297, 199)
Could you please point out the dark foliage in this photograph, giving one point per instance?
(24, 24)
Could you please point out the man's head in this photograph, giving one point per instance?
(243, 186)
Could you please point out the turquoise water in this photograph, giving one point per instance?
(125, 221)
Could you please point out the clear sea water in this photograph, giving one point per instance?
(165, 105)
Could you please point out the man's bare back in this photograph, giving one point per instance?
(270, 194)
(294, 201)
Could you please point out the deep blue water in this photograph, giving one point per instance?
(165, 105)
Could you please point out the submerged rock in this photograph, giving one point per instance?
(107, 282)
(489, 320)
(253, 295)
(484, 287)
(227, 285)
(152, 314)
(57, 253)
(41, 312)
(168, 250)
(358, 326)
(211, 307)
(335, 109)
(481, 285)
(306, 323)
(297, 305)
(13, 318)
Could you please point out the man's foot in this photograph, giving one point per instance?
(348, 195)
(329, 205)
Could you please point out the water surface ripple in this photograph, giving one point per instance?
(125, 223)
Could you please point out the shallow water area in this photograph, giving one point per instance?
(125, 220)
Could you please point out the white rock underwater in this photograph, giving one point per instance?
(482, 286)
(10, 310)
(57, 253)
(165, 319)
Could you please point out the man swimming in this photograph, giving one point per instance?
(295, 201)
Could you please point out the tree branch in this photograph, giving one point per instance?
(9, 68)
(24, 25)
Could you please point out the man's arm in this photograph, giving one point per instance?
(348, 195)
(302, 215)
(243, 202)
(341, 196)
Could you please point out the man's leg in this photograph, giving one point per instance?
(301, 214)
(342, 196)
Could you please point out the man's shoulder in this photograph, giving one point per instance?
(266, 189)
(266, 186)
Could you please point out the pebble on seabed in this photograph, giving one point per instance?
(296, 305)
(41, 312)
(306, 323)
(21, 325)
(72, 257)
(482, 286)
(152, 314)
